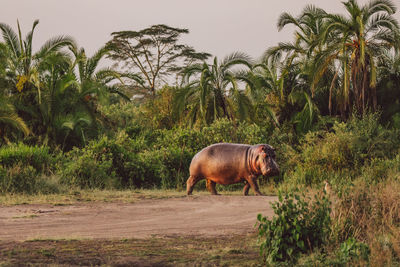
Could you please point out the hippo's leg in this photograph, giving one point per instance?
(252, 180)
(211, 187)
(190, 183)
(246, 189)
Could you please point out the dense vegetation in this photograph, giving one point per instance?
(328, 101)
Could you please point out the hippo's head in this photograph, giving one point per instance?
(266, 161)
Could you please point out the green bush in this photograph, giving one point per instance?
(121, 163)
(352, 250)
(163, 168)
(188, 139)
(91, 166)
(299, 226)
(40, 158)
(88, 171)
(380, 170)
(343, 153)
(26, 169)
(18, 179)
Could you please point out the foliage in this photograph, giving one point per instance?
(353, 250)
(300, 225)
(26, 169)
(211, 91)
(329, 155)
(40, 158)
(314, 99)
(10, 122)
(139, 157)
(153, 52)
(18, 179)
(123, 163)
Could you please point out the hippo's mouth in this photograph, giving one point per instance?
(270, 172)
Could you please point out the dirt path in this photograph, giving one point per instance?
(197, 215)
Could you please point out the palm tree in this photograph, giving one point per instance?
(388, 85)
(303, 51)
(23, 63)
(94, 84)
(73, 88)
(268, 91)
(59, 85)
(309, 26)
(211, 91)
(10, 122)
(24, 69)
(353, 45)
(282, 94)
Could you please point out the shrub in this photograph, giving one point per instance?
(165, 168)
(352, 250)
(39, 158)
(122, 163)
(366, 208)
(88, 171)
(18, 179)
(25, 169)
(91, 166)
(379, 170)
(340, 155)
(370, 213)
(188, 139)
(300, 225)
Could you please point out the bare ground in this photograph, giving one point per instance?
(201, 216)
(180, 231)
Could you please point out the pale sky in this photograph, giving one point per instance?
(218, 27)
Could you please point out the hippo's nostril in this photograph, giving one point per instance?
(265, 171)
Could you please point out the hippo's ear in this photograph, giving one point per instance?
(262, 148)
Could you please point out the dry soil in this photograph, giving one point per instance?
(202, 216)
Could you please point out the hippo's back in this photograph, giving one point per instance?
(219, 160)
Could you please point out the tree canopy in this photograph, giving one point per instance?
(153, 54)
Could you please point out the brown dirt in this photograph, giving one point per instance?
(237, 250)
(205, 216)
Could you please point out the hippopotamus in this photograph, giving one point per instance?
(226, 163)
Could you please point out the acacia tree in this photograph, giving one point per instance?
(154, 53)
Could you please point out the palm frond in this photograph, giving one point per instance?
(383, 21)
(376, 6)
(9, 116)
(11, 39)
(285, 19)
(28, 40)
(54, 44)
(93, 61)
(236, 58)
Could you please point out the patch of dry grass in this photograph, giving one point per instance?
(371, 214)
(238, 250)
(125, 196)
(75, 196)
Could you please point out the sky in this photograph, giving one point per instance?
(218, 27)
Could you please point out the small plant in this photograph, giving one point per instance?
(300, 225)
(351, 249)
